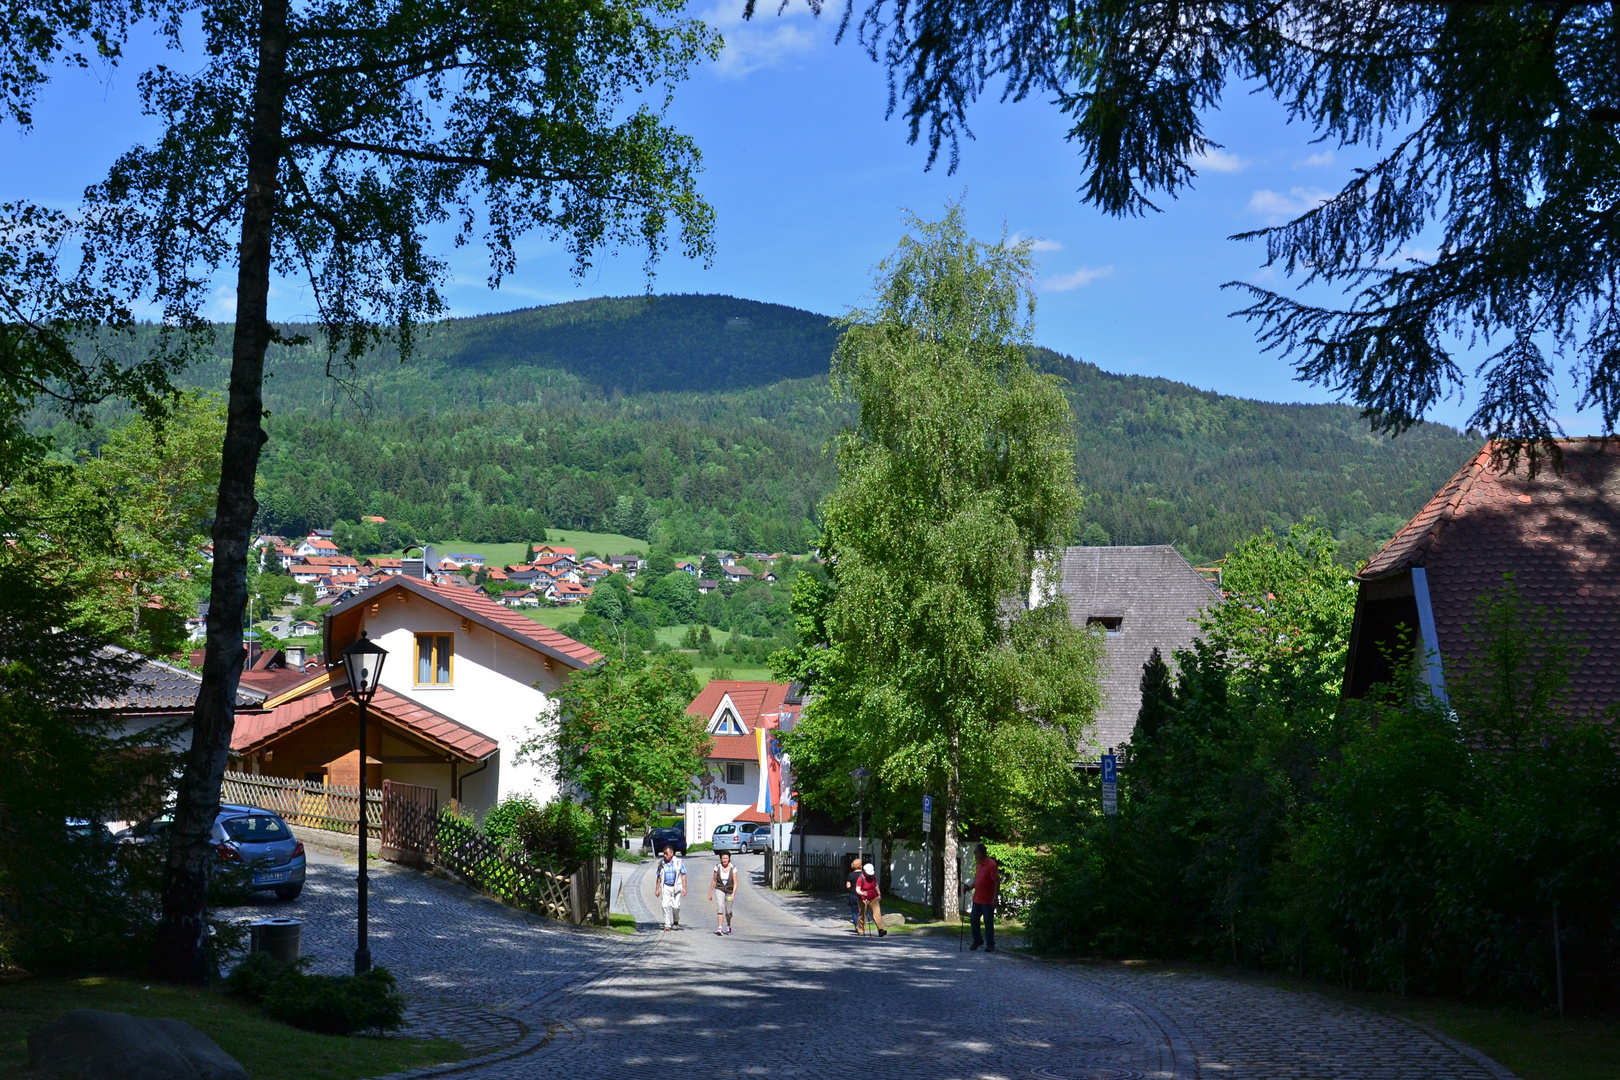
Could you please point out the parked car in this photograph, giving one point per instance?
(759, 836)
(655, 841)
(257, 841)
(730, 837)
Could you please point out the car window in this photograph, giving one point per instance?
(726, 829)
(256, 829)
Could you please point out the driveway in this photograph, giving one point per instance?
(792, 993)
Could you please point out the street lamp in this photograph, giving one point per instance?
(362, 664)
(860, 777)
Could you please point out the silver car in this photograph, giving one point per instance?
(730, 837)
(759, 837)
(257, 841)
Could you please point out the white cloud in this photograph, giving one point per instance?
(766, 40)
(1217, 160)
(1077, 280)
(1315, 161)
(1279, 208)
(1046, 245)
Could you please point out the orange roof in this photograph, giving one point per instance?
(1559, 534)
(757, 703)
(732, 747)
(255, 730)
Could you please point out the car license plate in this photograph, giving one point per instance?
(272, 877)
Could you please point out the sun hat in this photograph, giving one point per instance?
(869, 868)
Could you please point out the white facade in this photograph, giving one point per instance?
(498, 687)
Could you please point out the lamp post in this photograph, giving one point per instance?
(860, 777)
(362, 664)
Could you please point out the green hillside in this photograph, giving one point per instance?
(671, 422)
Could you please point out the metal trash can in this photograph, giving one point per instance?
(281, 938)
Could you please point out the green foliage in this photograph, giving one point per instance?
(500, 822)
(328, 1004)
(1398, 843)
(623, 736)
(560, 834)
(677, 591)
(958, 475)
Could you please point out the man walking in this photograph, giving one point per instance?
(669, 885)
(986, 890)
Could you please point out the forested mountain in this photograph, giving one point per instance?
(702, 421)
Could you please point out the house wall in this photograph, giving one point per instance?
(498, 688)
(742, 795)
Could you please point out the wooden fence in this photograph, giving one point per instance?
(810, 871)
(306, 803)
(409, 816)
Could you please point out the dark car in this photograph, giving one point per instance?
(257, 843)
(655, 841)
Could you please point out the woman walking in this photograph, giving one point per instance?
(851, 887)
(723, 891)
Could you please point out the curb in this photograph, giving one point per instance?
(1472, 1053)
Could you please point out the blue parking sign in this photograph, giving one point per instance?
(1110, 769)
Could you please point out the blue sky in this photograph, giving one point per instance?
(809, 180)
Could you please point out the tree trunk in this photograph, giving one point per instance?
(604, 915)
(952, 892)
(182, 940)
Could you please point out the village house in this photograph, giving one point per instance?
(628, 565)
(452, 563)
(1558, 534)
(380, 566)
(551, 549)
(568, 592)
(462, 687)
(315, 545)
(736, 572)
(688, 568)
(707, 585)
(1141, 599)
(744, 775)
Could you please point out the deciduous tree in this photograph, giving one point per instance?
(324, 141)
(623, 736)
(958, 479)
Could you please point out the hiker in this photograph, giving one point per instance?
(866, 885)
(854, 896)
(725, 882)
(669, 885)
(986, 890)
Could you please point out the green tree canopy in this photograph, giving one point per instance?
(622, 735)
(957, 479)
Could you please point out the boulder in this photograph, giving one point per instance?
(893, 918)
(91, 1044)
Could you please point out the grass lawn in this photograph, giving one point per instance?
(672, 635)
(618, 921)
(554, 617)
(705, 673)
(603, 544)
(267, 1050)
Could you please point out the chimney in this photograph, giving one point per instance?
(411, 568)
(295, 656)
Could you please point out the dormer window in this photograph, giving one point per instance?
(727, 724)
(1109, 624)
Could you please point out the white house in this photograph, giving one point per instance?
(746, 772)
(465, 682)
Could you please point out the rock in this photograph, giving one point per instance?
(893, 918)
(91, 1044)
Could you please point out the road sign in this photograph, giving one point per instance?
(928, 813)
(1110, 784)
(1110, 769)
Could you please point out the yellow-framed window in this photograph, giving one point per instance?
(435, 659)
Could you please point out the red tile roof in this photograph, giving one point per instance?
(754, 701)
(1559, 534)
(255, 729)
(472, 602)
(733, 747)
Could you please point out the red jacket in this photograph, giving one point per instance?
(867, 886)
(986, 879)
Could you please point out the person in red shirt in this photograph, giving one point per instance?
(866, 887)
(986, 888)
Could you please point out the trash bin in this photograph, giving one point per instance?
(281, 938)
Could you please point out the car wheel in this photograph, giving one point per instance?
(289, 892)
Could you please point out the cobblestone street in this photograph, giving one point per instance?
(792, 993)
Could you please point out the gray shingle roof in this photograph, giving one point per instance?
(1156, 595)
(158, 687)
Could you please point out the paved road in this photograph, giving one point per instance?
(793, 994)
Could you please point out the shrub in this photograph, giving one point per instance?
(562, 834)
(327, 1004)
(1022, 870)
(502, 820)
